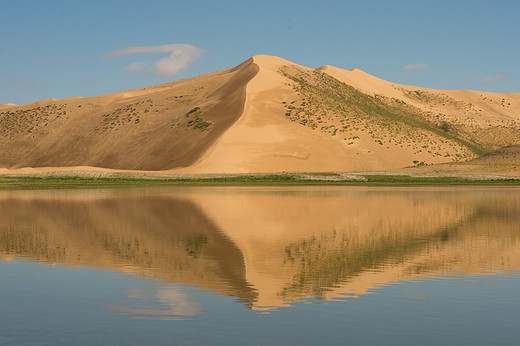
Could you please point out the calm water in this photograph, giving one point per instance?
(242, 265)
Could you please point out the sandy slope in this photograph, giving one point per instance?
(479, 106)
(264, 140)
(256, 117)
(153, 128)
(504, 162)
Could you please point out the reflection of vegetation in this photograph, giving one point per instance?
(124, 248)
(195, 244)
(329, 259)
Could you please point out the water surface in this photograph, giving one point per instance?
(261, 265)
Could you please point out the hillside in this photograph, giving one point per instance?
(265, 115)
(154, 128)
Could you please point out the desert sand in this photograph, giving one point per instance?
(265, 115)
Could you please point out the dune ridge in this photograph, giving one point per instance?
(264, 115)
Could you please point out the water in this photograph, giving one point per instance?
(261, 265)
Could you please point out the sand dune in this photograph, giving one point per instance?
(265, 115)
(152, 128)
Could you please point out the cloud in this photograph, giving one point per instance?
(415, 67)
(174, 305)
(180, 58)
(136, 67)
(20, 83)
(494, 78)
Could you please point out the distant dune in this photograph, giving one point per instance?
(265, 115)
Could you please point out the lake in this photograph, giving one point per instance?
(261, 265)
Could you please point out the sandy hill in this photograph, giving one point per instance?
(154, 128)
(265, 115)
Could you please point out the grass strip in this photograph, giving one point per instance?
(41, 182)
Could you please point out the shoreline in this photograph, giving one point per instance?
(93, 179)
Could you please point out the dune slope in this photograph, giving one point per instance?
(328, 119)
(265, 115)
(153, 128)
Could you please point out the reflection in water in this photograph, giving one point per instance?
(266, 246)
(177, 306)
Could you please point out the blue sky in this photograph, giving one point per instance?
(69, 48)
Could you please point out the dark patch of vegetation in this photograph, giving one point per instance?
(192, 111)
(321, 174)
(199, 123)
(196, 119)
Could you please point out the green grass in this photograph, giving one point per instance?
(406, 179)
(43, 182)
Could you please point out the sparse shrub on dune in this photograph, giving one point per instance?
(340, 107)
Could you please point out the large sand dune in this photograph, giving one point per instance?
(265, 115)
(154, 128)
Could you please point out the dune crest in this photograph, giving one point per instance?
(264, 115)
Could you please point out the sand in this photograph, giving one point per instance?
(145, 129)
(236, 121)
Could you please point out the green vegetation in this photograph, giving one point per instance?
(39, 182)
(192, 111)
(330, 174)
(334, 107)
(196, 119)
(121, 116)
(21, 122)
(407, 179)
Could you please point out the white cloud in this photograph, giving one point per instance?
(415, 67)
(494, 78)
(180, 57)
(136, 67)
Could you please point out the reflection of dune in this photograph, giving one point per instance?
(161, 237)
(303, 242)
(269, 246)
